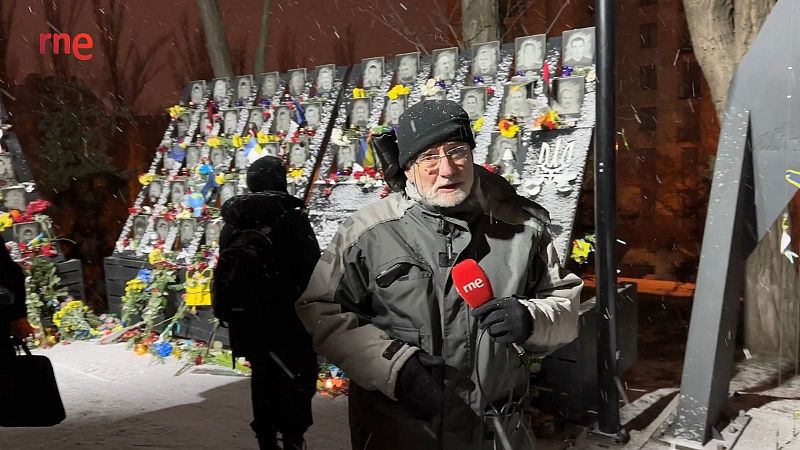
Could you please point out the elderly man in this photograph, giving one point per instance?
(382, 306)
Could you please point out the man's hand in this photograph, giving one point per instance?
(507, 320)
(21, 329)
(417, 390)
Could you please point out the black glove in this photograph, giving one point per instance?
(385, 145)
(417, 390)
(508, 320)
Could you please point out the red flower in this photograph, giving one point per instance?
(490, 90)
(163, 149)
(327, 191)
(37, 206)
(47, 250)
(490, 167)
(133, 211)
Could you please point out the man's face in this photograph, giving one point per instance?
(471, 104)
(197, 93)
(577, 46)
(244, 88)
(192, 155)
(407, 68)
(139, 227)
(183, 124)
(325, 80)
(187, 230)
(372, 72)
(269, 86)
(162, 229)
(219, 90)
(297, 156)
(485, 59)
(395, 109)
(312, 116)
(282, 121)
(217, 157)
(445, 63)
(449, 183)
(345, 159)
(177, 193)
(230, 121)
(155, 190)
(516, 99)
(297, 82)
(360, 112)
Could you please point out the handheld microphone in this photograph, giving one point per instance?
(474, 287)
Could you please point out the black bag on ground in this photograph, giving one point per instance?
(29, 394)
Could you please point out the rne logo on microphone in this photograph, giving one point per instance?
(472, 285)
(74, 45)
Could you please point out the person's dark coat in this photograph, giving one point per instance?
(295, 253)
(12, 278)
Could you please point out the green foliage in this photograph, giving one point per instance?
(75, 134)
(148, 298)
(42, 290)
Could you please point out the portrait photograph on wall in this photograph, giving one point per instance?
(578, 47)
(529, 52)
(473, 100)
(297, 82)
(269, 85)
(485, 58)
(445, 61)
(359, 111)
(569, 94)
(393, 109)
(13, 197)
(244, 87)
(515, 102)
(195, 92)
(219, 90)
(372, 74)
(325, 77)
(407, 67)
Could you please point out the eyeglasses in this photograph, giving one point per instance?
(456, 154)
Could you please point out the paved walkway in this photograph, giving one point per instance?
(118, 400)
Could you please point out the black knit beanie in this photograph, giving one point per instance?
(266, 174)
(429, 123)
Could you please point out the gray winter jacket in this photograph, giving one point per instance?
(382, 291)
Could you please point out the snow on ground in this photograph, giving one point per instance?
(117, 399)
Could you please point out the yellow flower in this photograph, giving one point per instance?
(220, 179)
(237, 141)
(134, 286)
(214, 142)
(509, 131)
(359, 93)
(175, 111)
(5, 221)
(185, 214)
(262, 137)
(478, 124)
(397, 91)
(296, 173)
(155, 256)
(146, 178)
(581, 250)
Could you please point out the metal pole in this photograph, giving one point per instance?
(605, 220)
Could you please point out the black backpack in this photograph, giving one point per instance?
(247, 266)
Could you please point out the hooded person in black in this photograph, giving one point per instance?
(267, 254)
(13, 312)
